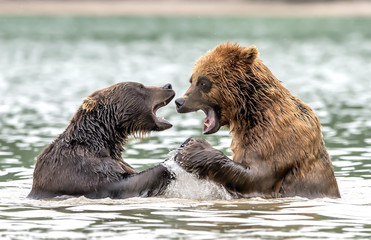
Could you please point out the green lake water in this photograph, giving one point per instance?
(49, 64)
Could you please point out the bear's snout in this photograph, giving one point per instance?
(179, 103)
(167, 86)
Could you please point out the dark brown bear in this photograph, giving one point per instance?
(86, 158)
(277, 144)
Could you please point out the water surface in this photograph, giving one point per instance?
(49, 64)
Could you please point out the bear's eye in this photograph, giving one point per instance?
(204, 83)
(141, 86)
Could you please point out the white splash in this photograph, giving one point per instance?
(189, 186)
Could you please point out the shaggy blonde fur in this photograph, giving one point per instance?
(270, 126)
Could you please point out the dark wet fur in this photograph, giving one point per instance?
(86, 158)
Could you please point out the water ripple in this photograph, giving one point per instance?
(49, 64)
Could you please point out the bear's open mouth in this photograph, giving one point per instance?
(161, 122)
(211, 122)
(157, 107)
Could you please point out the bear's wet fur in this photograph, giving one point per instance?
(86, 158)
(277, 144)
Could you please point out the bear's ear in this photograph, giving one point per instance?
(249, 54)
(89, 104)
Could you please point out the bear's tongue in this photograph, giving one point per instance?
(209, 121)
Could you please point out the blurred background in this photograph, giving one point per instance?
(55, 53)
(189, 7)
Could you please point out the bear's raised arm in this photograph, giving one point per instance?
(245, 180)
(197, 156)
(148, 183)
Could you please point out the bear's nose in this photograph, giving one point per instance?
(167, 86)
(179, 102)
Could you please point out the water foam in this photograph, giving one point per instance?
(189, 186)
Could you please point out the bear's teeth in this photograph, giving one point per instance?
(206, 124)
(164, 103)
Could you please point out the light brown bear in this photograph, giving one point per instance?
(277, 144)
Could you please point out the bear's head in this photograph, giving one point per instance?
(231, 86)
(128, 108)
